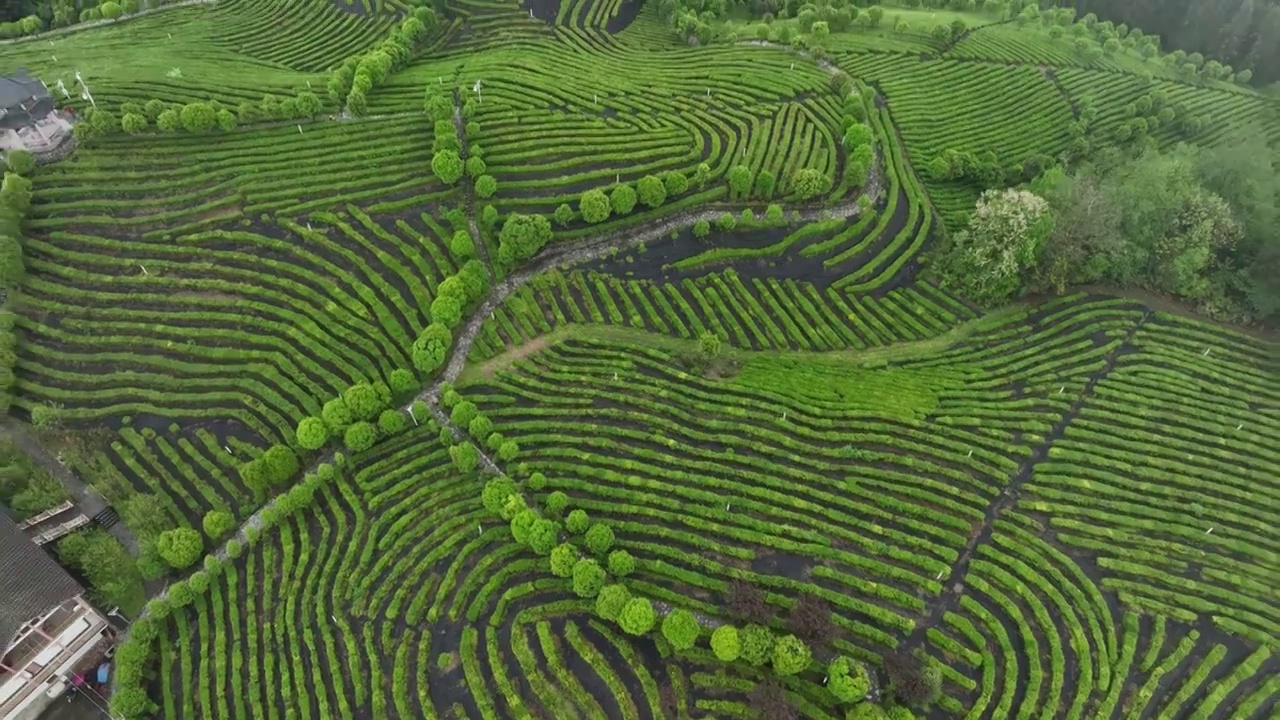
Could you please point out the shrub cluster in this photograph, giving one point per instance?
(359, 74)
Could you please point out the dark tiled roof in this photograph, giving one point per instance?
(31, 583)
(18, 87)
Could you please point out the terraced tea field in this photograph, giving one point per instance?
(557, 367)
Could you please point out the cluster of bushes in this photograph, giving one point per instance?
(135, 657)
(467, 417)
(274, 467)
(447, 161)
(360, 415)
(1150, 113)
(773, 216)
(857, 137)
(358, 74)
(1194, 223)
(595, 206)
(194, 117)
(15, 201)
(65, 14)
(454, 295)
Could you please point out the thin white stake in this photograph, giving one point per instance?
(530, 12)
(479, 530)
(970, 454)
(309, 227)
(55, 58)
(939, 575)
(144, 269)
(415, 417)
(1206, 352)
(299, 129)
(824, 679)
(333, 618)
(170, 36)
(1062, 389)
(224, 447)
(1239, 426)
(784, 415)
(1206, 532)
(793, 66)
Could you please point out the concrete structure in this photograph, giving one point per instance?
(47, 630)
(28, 119)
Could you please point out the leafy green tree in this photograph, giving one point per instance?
(217, 523)
(563, 558)
(522, 525)
(577, 522)
(564, 214)
(431, 347)
(588, 578)
(486, 186)
(180, 547)
(726, 644)
(198, 117)
(726, 222)
(710, 345)
(740, 180)
(508, 450)
(537, 482)
(856, 135)
(360, 436)
(446, 310)
(757, 644)
(790, 655)
(308, 104)
(773, 214)
(312, 433)
(594, 207)
(542, 536)
(480, 427)
(681, 629)
(611, 600)
(651, 191)
(809, 183)
(463, 413)
(701, 229)
(701, 175)
(599, 538)
(447, 165)
(475, 167)
(521, 238)
(990, 261)
(495, 494)
(226, 120)
(847, 680)
(391, 422)
(622, 199)
(621, 563)
(764, 184)
(675, 182)
(363, 401)
(133, 123)
(637, 616)
(556, 504)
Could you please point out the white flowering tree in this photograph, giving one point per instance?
(990, 261)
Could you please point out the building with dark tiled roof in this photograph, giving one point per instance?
(47, 629)
(28, 119)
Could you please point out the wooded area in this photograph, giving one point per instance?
(1241, 33)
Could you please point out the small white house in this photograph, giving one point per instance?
(28, 119)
